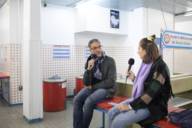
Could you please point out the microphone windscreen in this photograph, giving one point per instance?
(131, 61)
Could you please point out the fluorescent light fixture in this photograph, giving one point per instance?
(188, 13)
(88, 2)
(81, 2)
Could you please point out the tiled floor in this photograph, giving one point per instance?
(11, 117)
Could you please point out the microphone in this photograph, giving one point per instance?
(131, 62)
(92, 56)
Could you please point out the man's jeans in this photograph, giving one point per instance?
(84, 104)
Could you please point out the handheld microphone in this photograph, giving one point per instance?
(131, 62)
(92, 56)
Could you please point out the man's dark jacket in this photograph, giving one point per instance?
(108, 82)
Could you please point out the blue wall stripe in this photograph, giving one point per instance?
(61, 53)
(60, 57)
(61, 49)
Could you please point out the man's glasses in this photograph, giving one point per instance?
(94, 48)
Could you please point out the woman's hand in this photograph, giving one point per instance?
(131, 75)
(89, 87)
(123, 107)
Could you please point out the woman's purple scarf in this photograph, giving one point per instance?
(138, 84)
(142, 75)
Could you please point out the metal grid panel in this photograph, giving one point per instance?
(12, 64)
(66, 68)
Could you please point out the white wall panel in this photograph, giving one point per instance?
(183, 57)
(4, 23)
(57, 25)
(97, 19)
(184, 26)
(183, 61)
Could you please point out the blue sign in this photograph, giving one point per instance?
(172, 39)
(61, 51)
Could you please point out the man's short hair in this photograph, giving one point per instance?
(92, 41)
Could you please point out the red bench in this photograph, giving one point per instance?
(165, 123)
(104, 106)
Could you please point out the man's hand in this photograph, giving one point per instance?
(91, 64)
(123, 107)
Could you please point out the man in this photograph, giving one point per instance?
(99, 80)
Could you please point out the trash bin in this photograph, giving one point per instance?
(54, 95)
(79, 84)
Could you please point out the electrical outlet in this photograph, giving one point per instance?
(20, 88)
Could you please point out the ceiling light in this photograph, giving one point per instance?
(188, 14)
(88, 2)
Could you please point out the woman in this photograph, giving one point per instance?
(151, 90)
